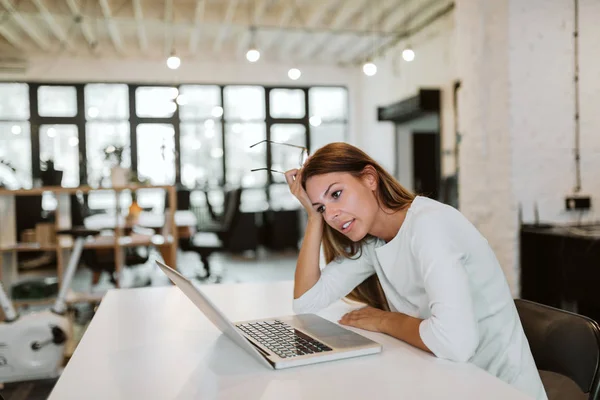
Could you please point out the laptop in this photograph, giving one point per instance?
(283, 342)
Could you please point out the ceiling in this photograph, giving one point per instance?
(303, 31)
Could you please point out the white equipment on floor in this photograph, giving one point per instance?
(32, 346)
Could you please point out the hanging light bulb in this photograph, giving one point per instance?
(369, 68)
(253, 55)
(173, 62)
(294, 74)
(408, 54)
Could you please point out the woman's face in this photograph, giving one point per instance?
(348, 204)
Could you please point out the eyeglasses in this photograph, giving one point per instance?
(302, 158)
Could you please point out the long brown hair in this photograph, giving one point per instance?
(343, 157)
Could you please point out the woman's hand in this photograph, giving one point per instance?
(294, 180)
(368, 318)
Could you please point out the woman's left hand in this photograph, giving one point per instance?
(368, 318)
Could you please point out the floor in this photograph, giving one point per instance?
(257, 266)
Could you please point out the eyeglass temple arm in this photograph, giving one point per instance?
(266, 169)
(281, 143)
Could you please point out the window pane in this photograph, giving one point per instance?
(15, 152)
(201, 153)
(326, 133)
(57, 101)
(284, 158)
(282, 198)
(156, 102)
(329, 103)
(244, 102)
(60, 143)
(14, 101)
(241, 158)
(200, 102)
(104, 101)
(254, 200)
(100, 135)
(156, 153)
(287, 103)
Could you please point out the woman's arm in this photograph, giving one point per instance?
(396, 324)
(307, 267)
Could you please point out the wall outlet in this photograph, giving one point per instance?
(580, 203)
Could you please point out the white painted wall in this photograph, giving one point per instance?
(433, 67)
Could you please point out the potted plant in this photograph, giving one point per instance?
(49, 174)
(119, 175)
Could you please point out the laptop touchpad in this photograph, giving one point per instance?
(328, 332)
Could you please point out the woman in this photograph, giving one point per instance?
(428, 276)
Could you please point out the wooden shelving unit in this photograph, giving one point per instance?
(165, 240)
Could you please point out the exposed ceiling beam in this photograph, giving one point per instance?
(86, 31)
(404, 32)
(313, 20)
(139, 20)
(11, 37)
(198, 18)
(168, 27)
(342, 18)
(286, 17)
(244, 37)
(113, 32)
(223, 32)
(56, 29)
(26, 26)
(349, 47)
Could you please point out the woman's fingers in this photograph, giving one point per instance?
(290, 176)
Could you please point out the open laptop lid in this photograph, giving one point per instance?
(211, 311)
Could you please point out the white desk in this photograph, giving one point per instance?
(153, 343)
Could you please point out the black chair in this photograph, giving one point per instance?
(566, 350)
(215, 236)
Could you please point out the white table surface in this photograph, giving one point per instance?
(153, 343)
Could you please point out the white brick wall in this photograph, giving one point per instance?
(517, 114)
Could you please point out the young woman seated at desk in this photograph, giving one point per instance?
(428, 276)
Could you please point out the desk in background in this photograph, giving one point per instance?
(560, 267)
(154, 344)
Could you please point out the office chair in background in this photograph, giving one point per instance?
(566, 350)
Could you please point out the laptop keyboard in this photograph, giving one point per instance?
(282, 339)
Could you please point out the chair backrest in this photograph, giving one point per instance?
(231, 208)
(563, 342)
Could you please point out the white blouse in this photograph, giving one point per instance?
(439, 268)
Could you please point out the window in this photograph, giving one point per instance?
(156, 153)
(107, 113)
(284, 158)
(15, 139)
(201, 153)
(201, 139)
(15, 155)
(199, 102)
(14, 101)
(328, 116)
(60, 143)
(99, 136)
(57, 101)
(156, 102)
(329, 103)
(287, 103)
(245, 103)
(241, 158)
(106, 101)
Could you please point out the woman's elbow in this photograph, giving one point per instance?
(464, 345)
